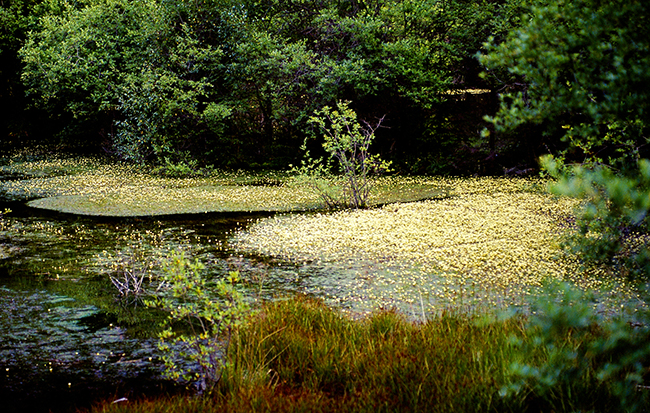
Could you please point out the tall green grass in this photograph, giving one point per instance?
(302, 349)
(299, 355)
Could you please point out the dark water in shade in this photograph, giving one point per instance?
(66, 338)
(57, 354)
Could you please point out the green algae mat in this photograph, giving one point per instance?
(90, 187)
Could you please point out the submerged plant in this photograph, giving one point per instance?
(201, 320)
(131, 271)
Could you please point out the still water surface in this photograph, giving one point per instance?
(66, 335)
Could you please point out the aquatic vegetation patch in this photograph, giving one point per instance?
(148, 200)
(94, 187)
(6, 248)
(55, 165)
(487, 245)
(122, 190)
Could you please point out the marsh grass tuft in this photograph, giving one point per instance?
(301, 349)
(300, 355)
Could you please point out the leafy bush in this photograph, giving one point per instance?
(611, 225)
(197, 353)
(347, 142)
(571, 358)
(181, 169)
(577, 68)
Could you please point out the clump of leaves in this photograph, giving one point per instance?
(347, 142)
(570, 356)
(182, 169)
(199, 324)
(611, 224)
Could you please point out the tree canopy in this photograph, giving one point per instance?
(579, 69)
(236, 82)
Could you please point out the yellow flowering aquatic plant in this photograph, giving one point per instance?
(487, 244)
(94, 187)
(5, 249)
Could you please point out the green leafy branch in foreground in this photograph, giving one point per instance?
(612, 224)
(197, 355)
(580, 349)
(347, 142)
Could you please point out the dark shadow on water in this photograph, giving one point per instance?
(66, 343)
(23, 392)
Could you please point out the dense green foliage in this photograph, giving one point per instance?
(611, 225)
(17, 123)
(234, 83)
(579, 69)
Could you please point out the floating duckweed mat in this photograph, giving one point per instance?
(489, 245)
(91, 187)
(136, 200)
(95, 188)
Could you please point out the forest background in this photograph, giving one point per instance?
(233, 83)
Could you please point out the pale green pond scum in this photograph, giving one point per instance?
(488, 246)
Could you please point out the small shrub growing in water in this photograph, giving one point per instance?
(348, 143)
(198, 354)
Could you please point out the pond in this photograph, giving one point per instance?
(68, 338)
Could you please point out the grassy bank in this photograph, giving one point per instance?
(301, 356)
